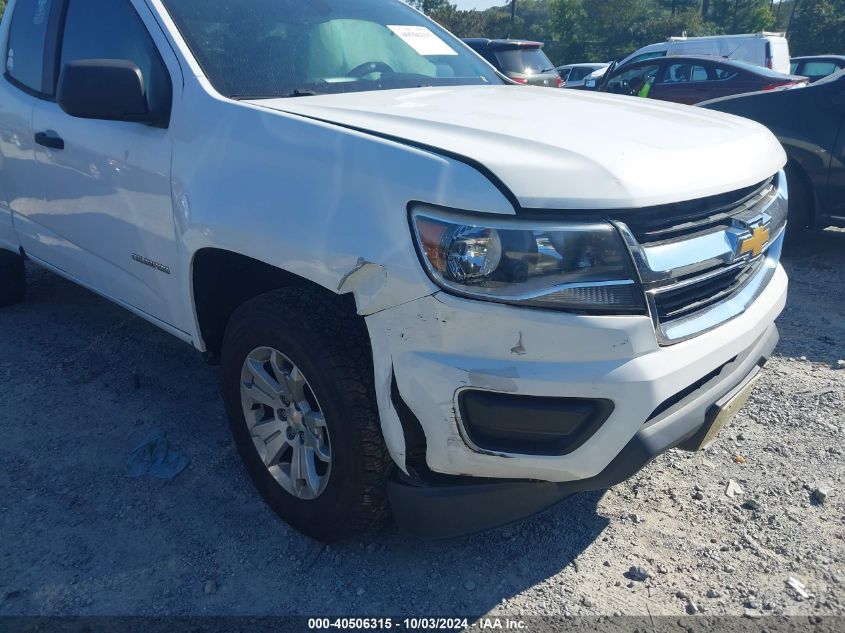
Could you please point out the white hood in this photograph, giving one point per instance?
(566, 149)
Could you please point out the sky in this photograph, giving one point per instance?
(477, 4)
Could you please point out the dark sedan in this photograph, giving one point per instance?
(693, 79)
(810, 124)
(520, 60)
(817, 66)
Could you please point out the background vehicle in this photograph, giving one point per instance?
(817, 66)
(573, 75)
(520, 60)
(810, 124)
(770, 50)
(692, 79)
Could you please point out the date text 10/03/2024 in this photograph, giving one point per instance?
(415, 624)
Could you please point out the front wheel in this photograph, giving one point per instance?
(299, 393)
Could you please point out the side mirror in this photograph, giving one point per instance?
(590, 83)
(107, 89)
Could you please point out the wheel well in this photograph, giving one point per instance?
(223, 280)
(795, 170)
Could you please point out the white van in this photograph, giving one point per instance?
(764, 49)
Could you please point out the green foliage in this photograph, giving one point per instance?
(2, 7)
(818, 27)
(600, 30)
(741, 16)
(429, 6)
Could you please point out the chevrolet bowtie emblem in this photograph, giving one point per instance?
(756, 243)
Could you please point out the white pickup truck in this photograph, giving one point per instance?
(430, 290)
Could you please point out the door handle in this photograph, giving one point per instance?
(50, 139)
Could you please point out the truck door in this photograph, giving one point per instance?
(21, 86)
(107, 215)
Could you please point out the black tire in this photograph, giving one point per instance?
(800, 206)
(12, 279)
(330, 345)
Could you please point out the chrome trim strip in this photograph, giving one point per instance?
(692, 281)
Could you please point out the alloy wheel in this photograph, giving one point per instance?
(286, 423)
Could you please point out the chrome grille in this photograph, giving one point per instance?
(673, 221)
(702, 267)
(702, 292)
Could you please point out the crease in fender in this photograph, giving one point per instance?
(365, 281)
(519, 348)
(399, 305)
(359, 266)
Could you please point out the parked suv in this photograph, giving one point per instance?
(420, 301)
(522, 61)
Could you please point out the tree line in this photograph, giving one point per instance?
(601, 30)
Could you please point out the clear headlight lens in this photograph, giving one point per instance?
(573, 266)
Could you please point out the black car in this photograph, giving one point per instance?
(520, 60)
(810, 124)
(691, 79)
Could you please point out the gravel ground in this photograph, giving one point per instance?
(82, 382)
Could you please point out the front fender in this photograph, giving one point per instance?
(322, 202)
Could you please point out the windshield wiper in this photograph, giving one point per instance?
(297, 92)
(301, 93)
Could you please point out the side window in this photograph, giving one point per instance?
(111, 29)
(699, 73)
(721, 72)
(634, 81)
(579, 73)
(819, 69)
(27, 37)
(678, 73)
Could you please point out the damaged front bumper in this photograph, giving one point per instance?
(450, 508)
(431, 351)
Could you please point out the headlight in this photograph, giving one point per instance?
(582, 267)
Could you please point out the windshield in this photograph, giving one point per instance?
(281, 48)
(526, 61)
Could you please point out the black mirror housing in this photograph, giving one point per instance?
(107, 89)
